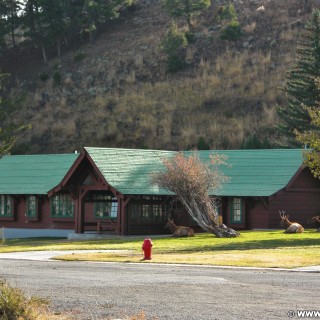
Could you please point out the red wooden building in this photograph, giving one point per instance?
(109, 190)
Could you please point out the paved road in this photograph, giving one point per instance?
(110, 290)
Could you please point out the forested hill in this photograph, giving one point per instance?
(111, 86)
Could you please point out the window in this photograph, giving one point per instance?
(144, 197)
(236, 210)
(5, 206)
(62, 206)
(106, 209)
(105, 206)
(148, 213)
(32, 207)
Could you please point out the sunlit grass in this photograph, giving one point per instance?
(253, 248)
(278, 258)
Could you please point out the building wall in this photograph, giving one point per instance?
(257, 213)
(147, 215)
(12, 233)
(300, 200)
(300, 206)
(42, 222)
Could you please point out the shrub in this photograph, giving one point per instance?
(79, 56)
(15, 305)
(227, 13)
(202, 144)
(253, 142)
(232, 31)
(44, 76)
(174, 45)
(175, 64)
(56, 79)
(191, 37)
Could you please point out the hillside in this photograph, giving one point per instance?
(117, 93)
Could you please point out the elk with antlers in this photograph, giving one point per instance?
(179, 231)
(315, 221)
(291, 227)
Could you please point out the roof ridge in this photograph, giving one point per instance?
(129, 149)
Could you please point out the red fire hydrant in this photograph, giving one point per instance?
(147, 248)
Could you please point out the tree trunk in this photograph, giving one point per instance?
(223, 231)
(90, 38)
(13, 36)
(59, 49)
(44, 55)
(207, 217)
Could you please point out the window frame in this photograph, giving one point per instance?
(35, 214)
(65, 204)
(148, 213)
(236, 208)
(106, 204)
(4, 199)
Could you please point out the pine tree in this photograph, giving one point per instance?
(186, 8)
(174, 45)
(300, 85)
(311, 138)
(9, 10)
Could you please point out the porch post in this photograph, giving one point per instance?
(79, 213)
(123, 219)
(76, 217)
(119, 217)
(81, 222)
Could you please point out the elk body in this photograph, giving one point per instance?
(179, 231)
(315, 221)
(291, 227)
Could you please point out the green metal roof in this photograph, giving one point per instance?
(129, 170)
(251, 172)
(33, 174)
(257, 172)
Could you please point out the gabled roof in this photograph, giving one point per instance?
(129, 170)
(251, 172)
(33, 174)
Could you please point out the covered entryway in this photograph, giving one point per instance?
(98, 207)
(100, 211)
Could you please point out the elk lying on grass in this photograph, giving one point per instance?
(291, 227)
(315, 221)
(179, 231)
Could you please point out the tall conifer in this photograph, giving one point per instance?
(300, 85)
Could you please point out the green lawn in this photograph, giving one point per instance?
(253, 248)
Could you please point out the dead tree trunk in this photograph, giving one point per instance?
(204, 212)
(190, 179)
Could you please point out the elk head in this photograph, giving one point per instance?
(284, 218)
(169, 223)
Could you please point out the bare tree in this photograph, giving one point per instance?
(190, 179)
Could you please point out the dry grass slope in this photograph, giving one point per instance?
(119, 94)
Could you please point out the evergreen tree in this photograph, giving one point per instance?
(54, 22)
(300, 85)
(10, 10)
(186, 8)
(3, 24)
(174, 45)
(50, 23)
(311, 138)
(97, 12)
